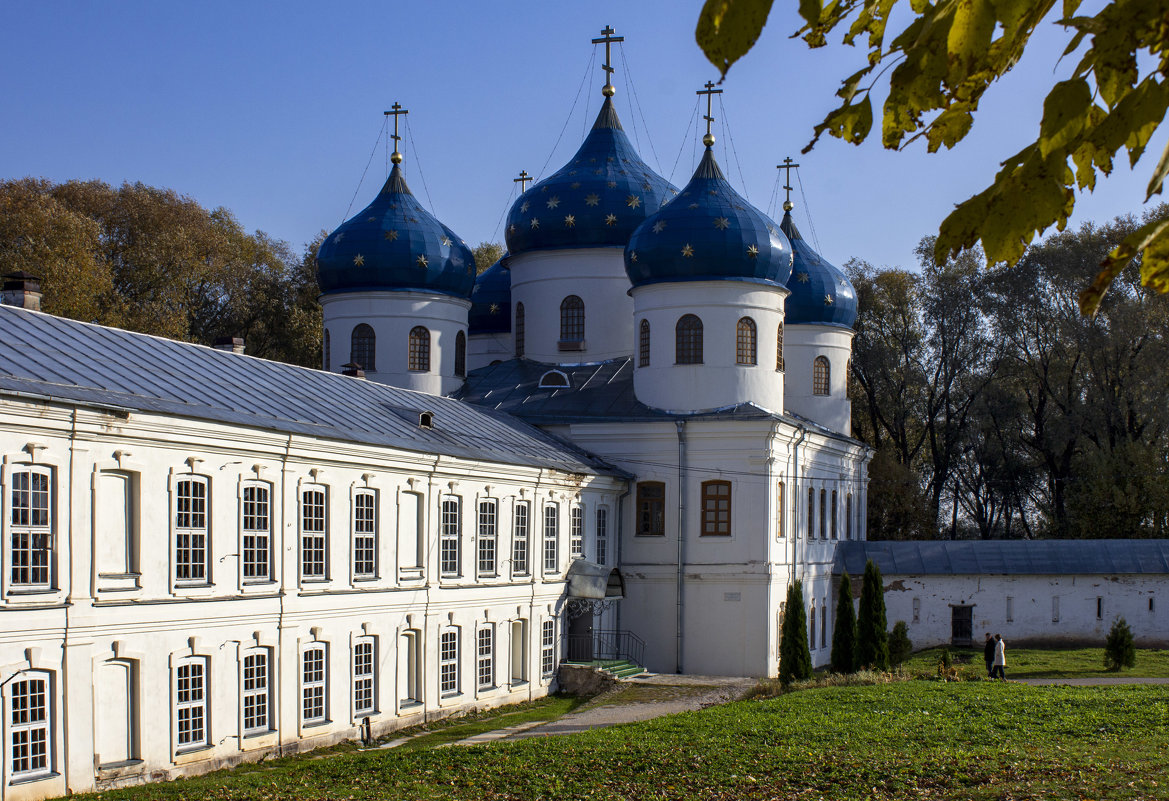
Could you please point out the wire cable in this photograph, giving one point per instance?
(808, 212)
(575, 101)
(640, 110)
(372, 153)
(418, 161)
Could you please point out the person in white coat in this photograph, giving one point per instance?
(1000, 658)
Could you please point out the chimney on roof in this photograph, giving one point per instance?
(21, 290)
(352, 369)
(232, 344)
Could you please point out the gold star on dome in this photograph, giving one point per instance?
(535, 223)
(692, 206)
(633, 201)
(523, 207)
(598, 172)
(575, 185)
(752, 251)
(511, 228)
(337, 239)
(633, 255)
(593, 160)
(570, 221)
(390, 235)
(659, 226)
(494, 308)
(828, 300)
(471, 268)
(843, 282)
(646, 187)
(553, 202)
(610, 158)
(371, 219)
(593, 199)
(612, 184)
(685, 194)
(688, 251)
(771, 230)
(802, 278)
(543, 189)
(422, 262)
(722, 223)
(412, 219)
(712, 192)
(358, 260)
(611, 219)
(446, 240)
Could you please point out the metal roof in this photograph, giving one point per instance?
(54, 358)
(1005, 557)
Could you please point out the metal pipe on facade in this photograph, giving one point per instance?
(796, 494)
(681, 427)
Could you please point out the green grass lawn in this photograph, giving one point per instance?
(1047, 663)
(966, 740)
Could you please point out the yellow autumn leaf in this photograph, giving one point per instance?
(727, 29)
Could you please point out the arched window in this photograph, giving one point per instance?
(779, 348)
(326, 352)
(572, 321)
(419, 349)
(820, 376)
(745, 342)
(688, 340)
(643, 344)
(460, 354)
(519, 330)
(362, 347)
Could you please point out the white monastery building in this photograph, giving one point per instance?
(623, 441)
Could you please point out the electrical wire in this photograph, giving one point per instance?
(686, 137)
(575, 101)
(418, 161)
(640, 110)
(372, 153)
(808, 212)
(731, 139)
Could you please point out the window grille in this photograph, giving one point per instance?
(572, 319)
(255, 692)
(448, 662)
(487, 538)
(312, 534)
(363, 347)
(551, 535)
(191, 530)
(363, 678)
(30, 533)
(449, 527)
(312, 688)
(257, 532)
(519, 547)
(419, 349)
(643, 344)
(191, 703)
(365, 534)
(820, 376)
(688, 340)
(29, 726)
(745, 346)
(716, 508)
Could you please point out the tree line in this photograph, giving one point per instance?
(998, 410)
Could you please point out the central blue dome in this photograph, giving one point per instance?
(821, 294)
(595, 200)
(395, 244)
(708, 233)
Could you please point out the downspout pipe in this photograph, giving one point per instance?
(681, 575)
(617, 550)
(797, 494)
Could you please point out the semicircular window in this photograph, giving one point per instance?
(553, 379)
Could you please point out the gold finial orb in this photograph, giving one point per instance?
(708, 140)
(608, 90)
(396, 157)
(788, 205)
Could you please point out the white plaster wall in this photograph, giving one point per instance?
(541, 280)
(483, 349)
(718, 381)
(392, 315)
(801, 345)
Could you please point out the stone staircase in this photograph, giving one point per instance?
(620, 668)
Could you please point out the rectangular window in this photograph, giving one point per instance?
(832, 525)
(811, 513)
(485, 658)
(917, 610)
(257, 533)
(1099, 608)
(1010, 609)
(519, 545)
(363, 679)
(488, 538)
(651, 509)
(255, 693)
(548, 648)
(365, 534)
(312, 685)
(31, 532)
(602, 535)
(191, 703)
(448, 662)
(824, 624)
(576, 532)
(779, 516)
(191, 530)
(823, 514)
(1151, 605)
(716, 508)
(313, 534)
(551, 535)
(812, 627)
(29, 726)
(450, 524)
(848, 516)
(1055, 609)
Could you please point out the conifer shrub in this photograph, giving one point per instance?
(795, 660)
(900, 646)
(844, 635)
(872, 642)
(1119, 649)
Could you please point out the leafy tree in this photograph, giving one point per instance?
(900, 646)
(1119, 649)
(795, 660)
(844, 635)
(872, 645)
(486, 254)
(945, 58)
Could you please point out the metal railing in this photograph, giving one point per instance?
(605, 645)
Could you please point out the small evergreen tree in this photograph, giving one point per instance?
(900, 646)
(844, 635)
(872, 644)
(795, 660)
(1119, 649)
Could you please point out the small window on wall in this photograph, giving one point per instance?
(521, 515)
(257, 532)
(1010, 609)
(313, 534)
(485, 658)
(811, 513)
(31, 529)
(314, 681)
(823, 514)
(191, 530)
(824, 623)
(832, 526)
(1055, 609)
(745, 347)
(602, 535)
(820, 376)
(779, 348)
(916, 610)
(779, 516)
(848, 516)
(716, 508)
(362, 348)
(572, 319)
(460, 354)
(519, 330)
(365, 534)
(448, 662)
(576, 532)
(255, 692)
(643, 344)
(364, 685)
(487, 538)
(688, 340)
(1099, 608)
(1151, 605)
(547, 648)
(191, 695)
(419, 349)
(29, 726)
(551, 538)
(812, 627)
(651, 509)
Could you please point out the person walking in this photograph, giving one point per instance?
(1000, 658)
(988, 655)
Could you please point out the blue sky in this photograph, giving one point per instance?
(272, 110)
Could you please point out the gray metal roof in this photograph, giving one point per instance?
(1005, 557)
(74, 362)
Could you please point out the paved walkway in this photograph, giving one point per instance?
(641, 698)
(1104, 681)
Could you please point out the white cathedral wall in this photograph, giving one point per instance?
(95, 627)
(542, 280)
(392, 315)
(483, 349)
(801, 345)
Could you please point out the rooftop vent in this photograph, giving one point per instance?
(426, 420)
(232, 344)
(553, 379)
(352, 369)
(21, 290)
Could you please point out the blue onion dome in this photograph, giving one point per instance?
(395, 244)
(491, 300)
(595, 200)
(821, 293)
(708, 233)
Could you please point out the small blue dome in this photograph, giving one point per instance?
(708, 233)
(395, 244)
(596, 200)
(821, 294)
(491, 300)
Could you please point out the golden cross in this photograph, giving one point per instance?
(789, 166)
(709, 91)
(608, 38)
(397, 111)
(523, 180)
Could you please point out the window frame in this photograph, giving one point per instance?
(255, 689)
(821, 377)
(716, 520)
(572, 320)
(832, 525)
(460, 354)
(38, 754)
(314, 686)
(450, 521)
(448, 662)
(779, 363)
(418, 350)
(364, 677)
(688, 340)
(779, 510)
(255, 541)
(194, 533)
(811, 513)
(551, 538)
(363, 347)
(576, 532)
(548, 648)
(487, 538)
(520, 330)
(485, 658)
(651, 509)
(313, 541)
(31, 537)
(364, 528)
(601, 519)
(521, 540)
(643, 343)
(746, 342)
(823, 513)
(198, 680)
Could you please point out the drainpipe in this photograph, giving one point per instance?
(617, 550)
(797, 493)
(681, 427)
